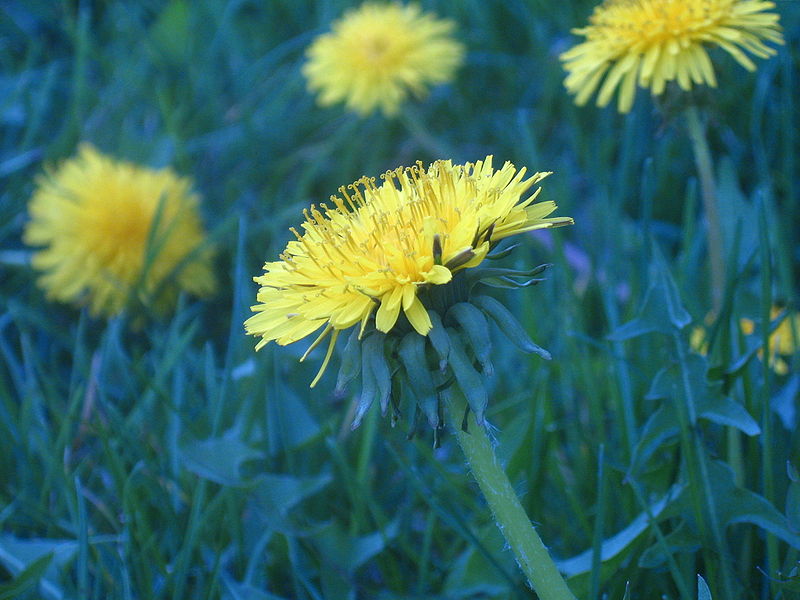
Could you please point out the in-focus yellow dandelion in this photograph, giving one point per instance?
(379, 246)
(651, 42)
(379, 53)
(112, 230)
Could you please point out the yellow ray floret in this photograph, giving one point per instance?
(112, 229)
(377, 246)
(379, 53)
(650, 42)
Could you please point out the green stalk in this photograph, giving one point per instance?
(703, 501)
(705, 169)
(767, 441)
(531, 554)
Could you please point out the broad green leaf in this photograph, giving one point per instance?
(277, 494)
(348, 552)
(668, 384)
(682, 539)
(289, 423)
(738, 505)
(219, 459)
(472, 575)
(661, 310)
(661, 426)
(616, 544)
(725, 411)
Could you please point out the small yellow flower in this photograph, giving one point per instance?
(379, 246)
(112, 230)
(377, 54)
(651, 42)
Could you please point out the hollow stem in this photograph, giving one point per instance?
(531, 554)
(705, 169)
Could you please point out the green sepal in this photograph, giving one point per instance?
(504, 277)
(502, 253)
(375, 376)
(350, 363)
(473, 323)
(508, 283)
(468, 379)
(413, 355)
(369, 390)
(439, 340)
(508, 324)
(374, 359)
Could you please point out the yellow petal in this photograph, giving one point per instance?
(389, 310)
(418, 317)
(438, 275)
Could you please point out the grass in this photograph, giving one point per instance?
(171, 461)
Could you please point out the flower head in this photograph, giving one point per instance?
(112, 230)
(783, 341)
(377, 54)
(379, 247)
(651, 42)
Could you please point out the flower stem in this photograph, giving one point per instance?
(531, 554)
(705, 169)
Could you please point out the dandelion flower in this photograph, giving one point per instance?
(376, 54)
(113, 231)
(783, 341)
(651, 42)
(378, 247)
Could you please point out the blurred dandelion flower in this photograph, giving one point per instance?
(379, 247)
(651, 42)
(113, 231)
(377, 54)
(783, 341)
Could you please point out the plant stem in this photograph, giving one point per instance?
(705, 505)
(531, 554)
(767, 441)
(705, 169)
